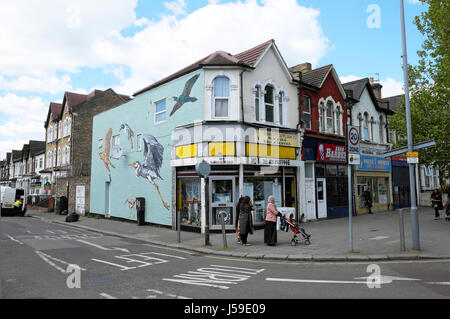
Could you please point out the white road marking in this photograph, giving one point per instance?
(379, 238)
(142, 259)
(439, 283)
(390, 279)
(112, 264)
(29, 232)
(105, 295)
(101, 247)
(13, 239)
(164, 294)
(215, 276)
(48, 259)
(383, 280)
(49, 231)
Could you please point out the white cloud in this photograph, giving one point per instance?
(177, 7)
(22, 120)
(414, 1)
(391, 87)
(47, 84)
(349, 78)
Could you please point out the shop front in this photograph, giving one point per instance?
(249, 168)
(325, 165)
(374, 172)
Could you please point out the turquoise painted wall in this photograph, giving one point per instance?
(139, 115)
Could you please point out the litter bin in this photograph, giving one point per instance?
(140, 209)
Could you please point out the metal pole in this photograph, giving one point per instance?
(178, 227)
(402, 230)
(350, 208)
(207, 241)
(412, 181)
(224, 233)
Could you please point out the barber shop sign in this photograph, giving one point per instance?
(331, 153)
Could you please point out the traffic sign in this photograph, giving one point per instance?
(412, 154)
(354, 138)
(354, 159)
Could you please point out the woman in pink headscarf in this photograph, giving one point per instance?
(270, 229)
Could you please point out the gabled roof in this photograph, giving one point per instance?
(317, 77)
(16, 155)
(246, 59)
(37, 147)
(392, 103)
(358, 87)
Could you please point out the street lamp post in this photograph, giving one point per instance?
(414, 213)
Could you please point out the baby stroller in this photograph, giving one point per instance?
(447, 210)
(297, 230)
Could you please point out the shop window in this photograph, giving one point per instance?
(383, 192)
(320, 169)
(342, 170)
(189, 201)
(222, 191)
(331, 170)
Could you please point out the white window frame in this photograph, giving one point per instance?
(281, 107)
(268, 104)
(257, 100)
(330, 106)
(308, 125)
(227, 98)
(233, 100)
(160, 112)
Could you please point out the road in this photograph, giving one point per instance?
(35, 259)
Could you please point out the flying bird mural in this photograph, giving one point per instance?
(185, 96)
(105, 155)
(149, 168)
(129, 132)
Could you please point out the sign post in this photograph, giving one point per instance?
(353, 139)
(204, 169)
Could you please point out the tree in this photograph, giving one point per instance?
(430, 88)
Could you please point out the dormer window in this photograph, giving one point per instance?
(221, 96)
(269, 104)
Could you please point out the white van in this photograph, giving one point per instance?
(8, 196)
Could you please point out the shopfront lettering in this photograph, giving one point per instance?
(331, 153)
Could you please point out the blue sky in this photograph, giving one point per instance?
(78, 45)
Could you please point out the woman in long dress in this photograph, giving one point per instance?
(270, 229)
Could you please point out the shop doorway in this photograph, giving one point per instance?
(222, 199)
(309, 198)
(80, 199)
(321, 198)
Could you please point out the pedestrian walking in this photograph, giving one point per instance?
(238, 225)
(436, 200)
(270, 229)
(368, 199)
(245, 220)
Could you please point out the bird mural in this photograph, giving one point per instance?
(184, 97)
(149, 168)
(129, 132)
(105, 155)
(130, 204)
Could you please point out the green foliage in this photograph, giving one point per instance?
(430, 88)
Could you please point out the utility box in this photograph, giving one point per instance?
(140, 210)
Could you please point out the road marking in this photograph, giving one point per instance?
(101, 247)
(113, 264)
(316, 281)
(48, 259)
(49, 231)
(13, 239)
(217, 276)
(105, 295)
(164, 294)
(439, 283)
(172, 249)
(389, 279)
(142, 259)
(379, 238)
(29, 232)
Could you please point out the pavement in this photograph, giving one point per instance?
(375, 238)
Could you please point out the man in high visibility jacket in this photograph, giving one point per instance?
(17, 203)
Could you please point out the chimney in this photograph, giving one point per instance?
(376, 87)
(304, 67)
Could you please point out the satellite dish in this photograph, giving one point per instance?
(117, 152)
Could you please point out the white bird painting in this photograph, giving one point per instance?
(149, 168)
(130, 204)
(129, 132)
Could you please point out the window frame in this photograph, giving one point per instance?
(308, 125)
(160, 112)
(139, 143)
(266, 104)
(216, 98)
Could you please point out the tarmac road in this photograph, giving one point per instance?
(35, 256)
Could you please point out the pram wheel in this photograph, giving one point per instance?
(307, 242)
(293, 242)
